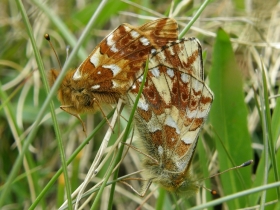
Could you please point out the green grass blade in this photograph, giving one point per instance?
(269, 131)
(160, 199)
(275, 122)
(74, 154)
(119, 155)
(195, 17)
(60, 25)
(31, 137)
(228, 116)
(269, 147)
(236, 196)
(29, 163)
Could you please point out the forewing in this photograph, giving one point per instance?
(113, 64)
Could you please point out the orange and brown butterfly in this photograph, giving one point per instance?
(113, 65)
(170, 114)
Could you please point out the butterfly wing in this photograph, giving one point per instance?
(172, 109)
(113, 64)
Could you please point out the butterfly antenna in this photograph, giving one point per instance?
(214, 192)
(247, 163)
(48, 38)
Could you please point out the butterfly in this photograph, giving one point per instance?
(113, 65)
(170, 113)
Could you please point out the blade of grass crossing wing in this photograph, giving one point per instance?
(120, 151)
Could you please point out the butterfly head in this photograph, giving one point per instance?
(74, 96)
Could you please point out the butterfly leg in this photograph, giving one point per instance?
(65, 107)
(143, 193)
(136, 149)
(96, 102)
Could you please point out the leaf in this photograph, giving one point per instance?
(229, 119)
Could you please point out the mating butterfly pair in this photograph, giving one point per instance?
(173, 105)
